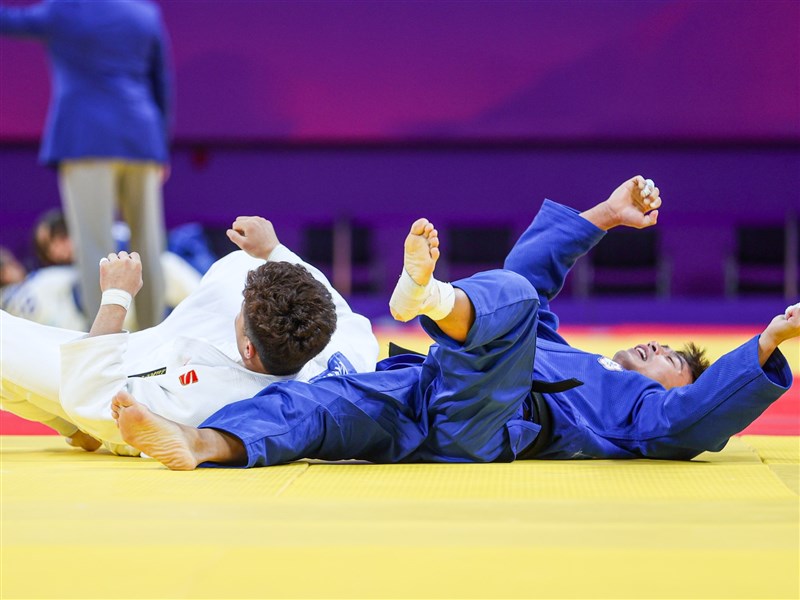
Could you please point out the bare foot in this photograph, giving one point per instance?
(83, 440)
(421, 251)
(168, 442)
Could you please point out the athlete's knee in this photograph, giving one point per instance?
(503, 302)
(502, 286)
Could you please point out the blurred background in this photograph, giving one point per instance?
(344, 121)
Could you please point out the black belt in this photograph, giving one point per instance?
(537, 412)
(395, 350)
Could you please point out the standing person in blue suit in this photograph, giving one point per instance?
(481, 394)
(106, 129)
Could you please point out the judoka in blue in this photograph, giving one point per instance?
(471, 401)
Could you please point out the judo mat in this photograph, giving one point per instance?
(726, 525)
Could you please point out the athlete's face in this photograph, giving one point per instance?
(657, 362)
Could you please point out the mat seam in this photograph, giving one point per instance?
(291, 480)
(769, 467)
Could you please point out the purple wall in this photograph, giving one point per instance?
(707, 190)
(459, 70)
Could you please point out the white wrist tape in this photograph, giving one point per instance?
(118, 297)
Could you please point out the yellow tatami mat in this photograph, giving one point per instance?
(78, 525)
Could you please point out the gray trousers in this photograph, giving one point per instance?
(91, 192)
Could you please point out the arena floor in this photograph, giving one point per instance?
(79, 525)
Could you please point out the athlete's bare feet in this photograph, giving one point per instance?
(421, 251)
(168, 442)
(79, 439)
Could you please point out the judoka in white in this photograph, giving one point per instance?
(185, 368)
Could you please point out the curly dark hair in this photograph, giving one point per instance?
(288, 315)
(695, 358)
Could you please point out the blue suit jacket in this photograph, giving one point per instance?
(111, 84)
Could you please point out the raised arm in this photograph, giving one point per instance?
(91, 367)
(254, 235)
(559, 236)
(548, 249)
(684, 421)
(781, 329)
(120, 281)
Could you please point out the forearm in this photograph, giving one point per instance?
(109, 319)
(120, 281)
(601, 216)
(766, 346)
(551, 245)
(783, 327)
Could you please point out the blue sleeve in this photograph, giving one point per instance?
(30, 21)
(732, 393)
(161, 77)
(544, 254)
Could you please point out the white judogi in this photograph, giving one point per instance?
(46, 296)
(67, 380)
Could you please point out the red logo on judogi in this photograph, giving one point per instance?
(188, 378)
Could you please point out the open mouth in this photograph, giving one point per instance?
(642, 352)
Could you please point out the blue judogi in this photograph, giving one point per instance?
(465, 402)
(619, 413)
(111, 94)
